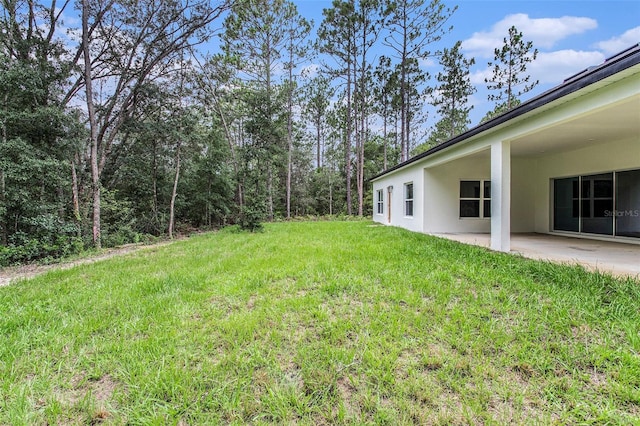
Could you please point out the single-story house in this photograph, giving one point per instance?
(565, 162)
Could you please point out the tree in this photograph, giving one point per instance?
(208, 183)
(37, 134)
(317, 93)
(262, 152)
(386, 104)
(257, 33)
(413, 27)
(297, 50)
(183, 121)
(218, 94)
(499, 110)
(337, 38)
(452, 95)
(509, 79)
(347, 34)
(124, 45)
(370, 20)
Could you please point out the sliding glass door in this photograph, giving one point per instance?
(602, 204)
(628, 203)
(597, 204)
(566, 204)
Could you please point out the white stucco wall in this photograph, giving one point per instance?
(523, 193)
(442, 183)
(398, 180)
(442, 189)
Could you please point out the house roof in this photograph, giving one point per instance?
(611, 66)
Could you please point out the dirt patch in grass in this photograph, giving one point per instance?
(509, 412)
(101, 390)
(598, 379)
(292, 376)
(91, 401)
(347, 392)
(13, 273)
(251, 303)
(517, 407)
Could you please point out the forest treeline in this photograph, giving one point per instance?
(125, 119)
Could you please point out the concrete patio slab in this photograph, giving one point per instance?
(619, 259)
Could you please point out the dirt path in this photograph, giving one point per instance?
(12, 273)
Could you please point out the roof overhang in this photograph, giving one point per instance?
(618, 119)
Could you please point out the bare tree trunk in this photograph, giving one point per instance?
(363, 127)
(234, 160)
(330, 198)
(361, 164)
(318, 139)
(154, 179)
(384, 140)
(75, 192)
(3, 229)
(289, 142)
(395, 136)
(95, 175)
(359, 150)
(95, 192)
(403, 107)
(289, 173)
(407, 125)
(270, 190)
(174, 192)
(347, 147)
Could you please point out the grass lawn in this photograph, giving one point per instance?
(320, 323)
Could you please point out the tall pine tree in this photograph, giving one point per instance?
(452, 97)
(413, 27)
(510, 79)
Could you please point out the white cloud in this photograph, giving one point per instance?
(551, 67)
(426, 63)
(543, 32)
(475, 100)
(555, 67)
(477, 77)
(310, 71)
(618, 44)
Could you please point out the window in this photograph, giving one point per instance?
(379, 201)
(408, 199)
(475, 198)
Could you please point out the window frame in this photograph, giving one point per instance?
(408, 202)
(380, 201)
(482, 199)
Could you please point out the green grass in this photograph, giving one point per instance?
(320, 323)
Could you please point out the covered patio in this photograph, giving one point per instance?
(618, 259)
(556, 178)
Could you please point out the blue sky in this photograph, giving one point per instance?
(569, 35)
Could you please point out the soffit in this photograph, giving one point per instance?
(620, 121)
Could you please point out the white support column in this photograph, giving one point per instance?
(501, 196)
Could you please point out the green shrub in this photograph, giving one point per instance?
(251, 217)
(25, 249)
